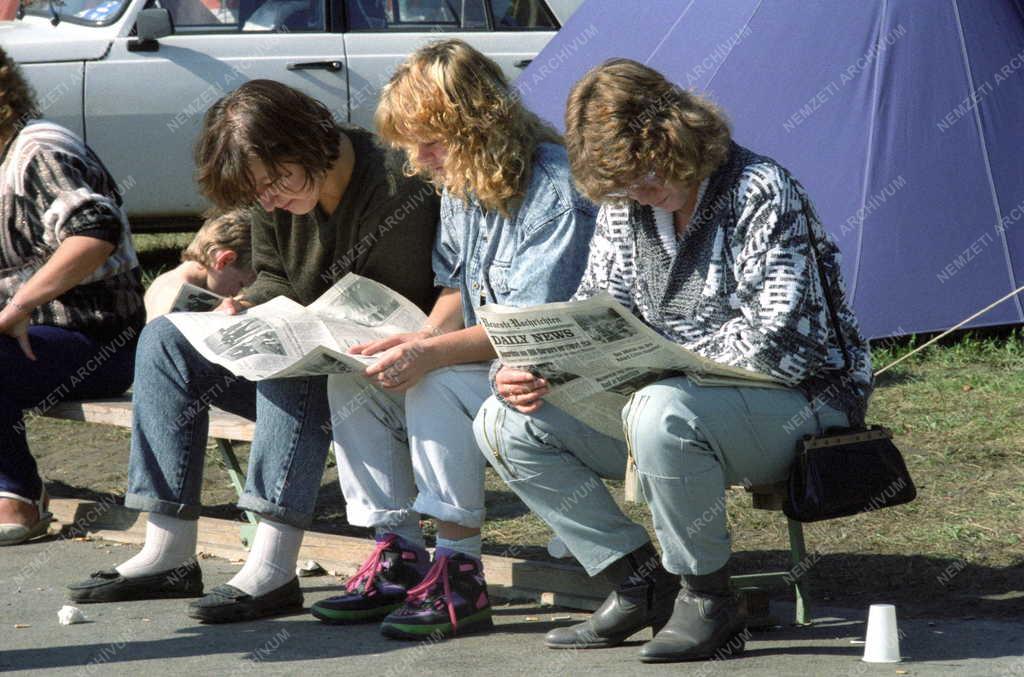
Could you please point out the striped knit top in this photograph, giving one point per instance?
(52, 186)
(743, 287)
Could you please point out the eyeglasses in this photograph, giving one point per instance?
(646, 182)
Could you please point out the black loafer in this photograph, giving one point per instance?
(228, 604)
(110, 586)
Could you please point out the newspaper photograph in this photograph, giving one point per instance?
(193, 299)
(595, 353)
(281, 338)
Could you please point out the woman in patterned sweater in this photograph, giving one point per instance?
(707, 243)
(70, 289)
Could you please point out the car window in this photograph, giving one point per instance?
(375, 15)
(88, 12)
(521, 14)
(219, 16)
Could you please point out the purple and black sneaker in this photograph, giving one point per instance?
(451, 599)
(379, 586)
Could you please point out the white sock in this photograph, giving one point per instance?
(272, 558)
(466, 546)
(170, 542)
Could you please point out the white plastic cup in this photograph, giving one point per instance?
(882, 644)
(557, 549)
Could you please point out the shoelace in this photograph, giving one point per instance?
(372, 566)
(438, 570)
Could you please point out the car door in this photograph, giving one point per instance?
(381, 33)
(144, 106)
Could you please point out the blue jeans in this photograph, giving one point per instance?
(689, 443)
(69, 365)
(174, 389)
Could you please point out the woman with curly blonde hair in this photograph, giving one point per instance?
(513, 231)
(70, 289)
(719, 250)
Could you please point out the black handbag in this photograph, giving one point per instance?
(849, 470)
(844, 472)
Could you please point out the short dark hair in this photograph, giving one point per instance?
(17, 102)
(266, 121)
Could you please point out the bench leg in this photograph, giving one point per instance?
(227, 452)
(797, 556)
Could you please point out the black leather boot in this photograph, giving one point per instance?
(706, 623)
(642, 598)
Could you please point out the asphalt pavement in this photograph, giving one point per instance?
(156, 638)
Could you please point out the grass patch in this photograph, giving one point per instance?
(159, 252)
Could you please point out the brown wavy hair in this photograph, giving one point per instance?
(625, 120)
(266, 121)
(448, 91)
(17, 101)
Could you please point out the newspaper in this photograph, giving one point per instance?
(281, 338)
(193, 299)
(595, 353)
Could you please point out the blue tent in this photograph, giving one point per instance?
(904, 119)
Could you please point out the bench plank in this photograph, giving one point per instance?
(117, 411)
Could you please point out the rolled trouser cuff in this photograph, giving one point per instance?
(431, 505)
(149, 504)
(359, 516)
(278, 513)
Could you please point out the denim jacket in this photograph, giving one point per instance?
(537, 256)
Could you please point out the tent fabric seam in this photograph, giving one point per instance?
(985, 158)
(870, 155)
(729, 53)
(672, 29)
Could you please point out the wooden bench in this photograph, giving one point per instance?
(225, 429)
(764, 497)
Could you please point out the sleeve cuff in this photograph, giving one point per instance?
(93, 222)
(492, 375)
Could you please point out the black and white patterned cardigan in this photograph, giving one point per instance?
(743, 289)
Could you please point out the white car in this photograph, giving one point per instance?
(134, 77)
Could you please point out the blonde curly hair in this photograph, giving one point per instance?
(228, 230)
(448, 91)
(17, 102)
(624, 121)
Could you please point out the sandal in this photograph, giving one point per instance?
(13, 534)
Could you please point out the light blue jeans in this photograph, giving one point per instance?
(174, 388)
(402, 457)
(689, 443)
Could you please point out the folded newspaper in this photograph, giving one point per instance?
(595, 353)
(193, 299)
(281, 338)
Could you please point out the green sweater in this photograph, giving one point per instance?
(383, 229)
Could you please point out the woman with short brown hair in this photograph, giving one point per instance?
(333, 201)
(719, 250)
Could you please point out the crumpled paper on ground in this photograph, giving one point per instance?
(69, 615)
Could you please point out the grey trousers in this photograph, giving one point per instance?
(689, 443)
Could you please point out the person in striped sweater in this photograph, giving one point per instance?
(707, 243)
(70, 289)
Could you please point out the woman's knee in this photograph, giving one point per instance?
(509, 441)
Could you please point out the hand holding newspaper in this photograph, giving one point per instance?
(594, 354)
(280, 338)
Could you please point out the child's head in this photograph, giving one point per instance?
(223, 246)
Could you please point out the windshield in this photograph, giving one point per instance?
(84, 12)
